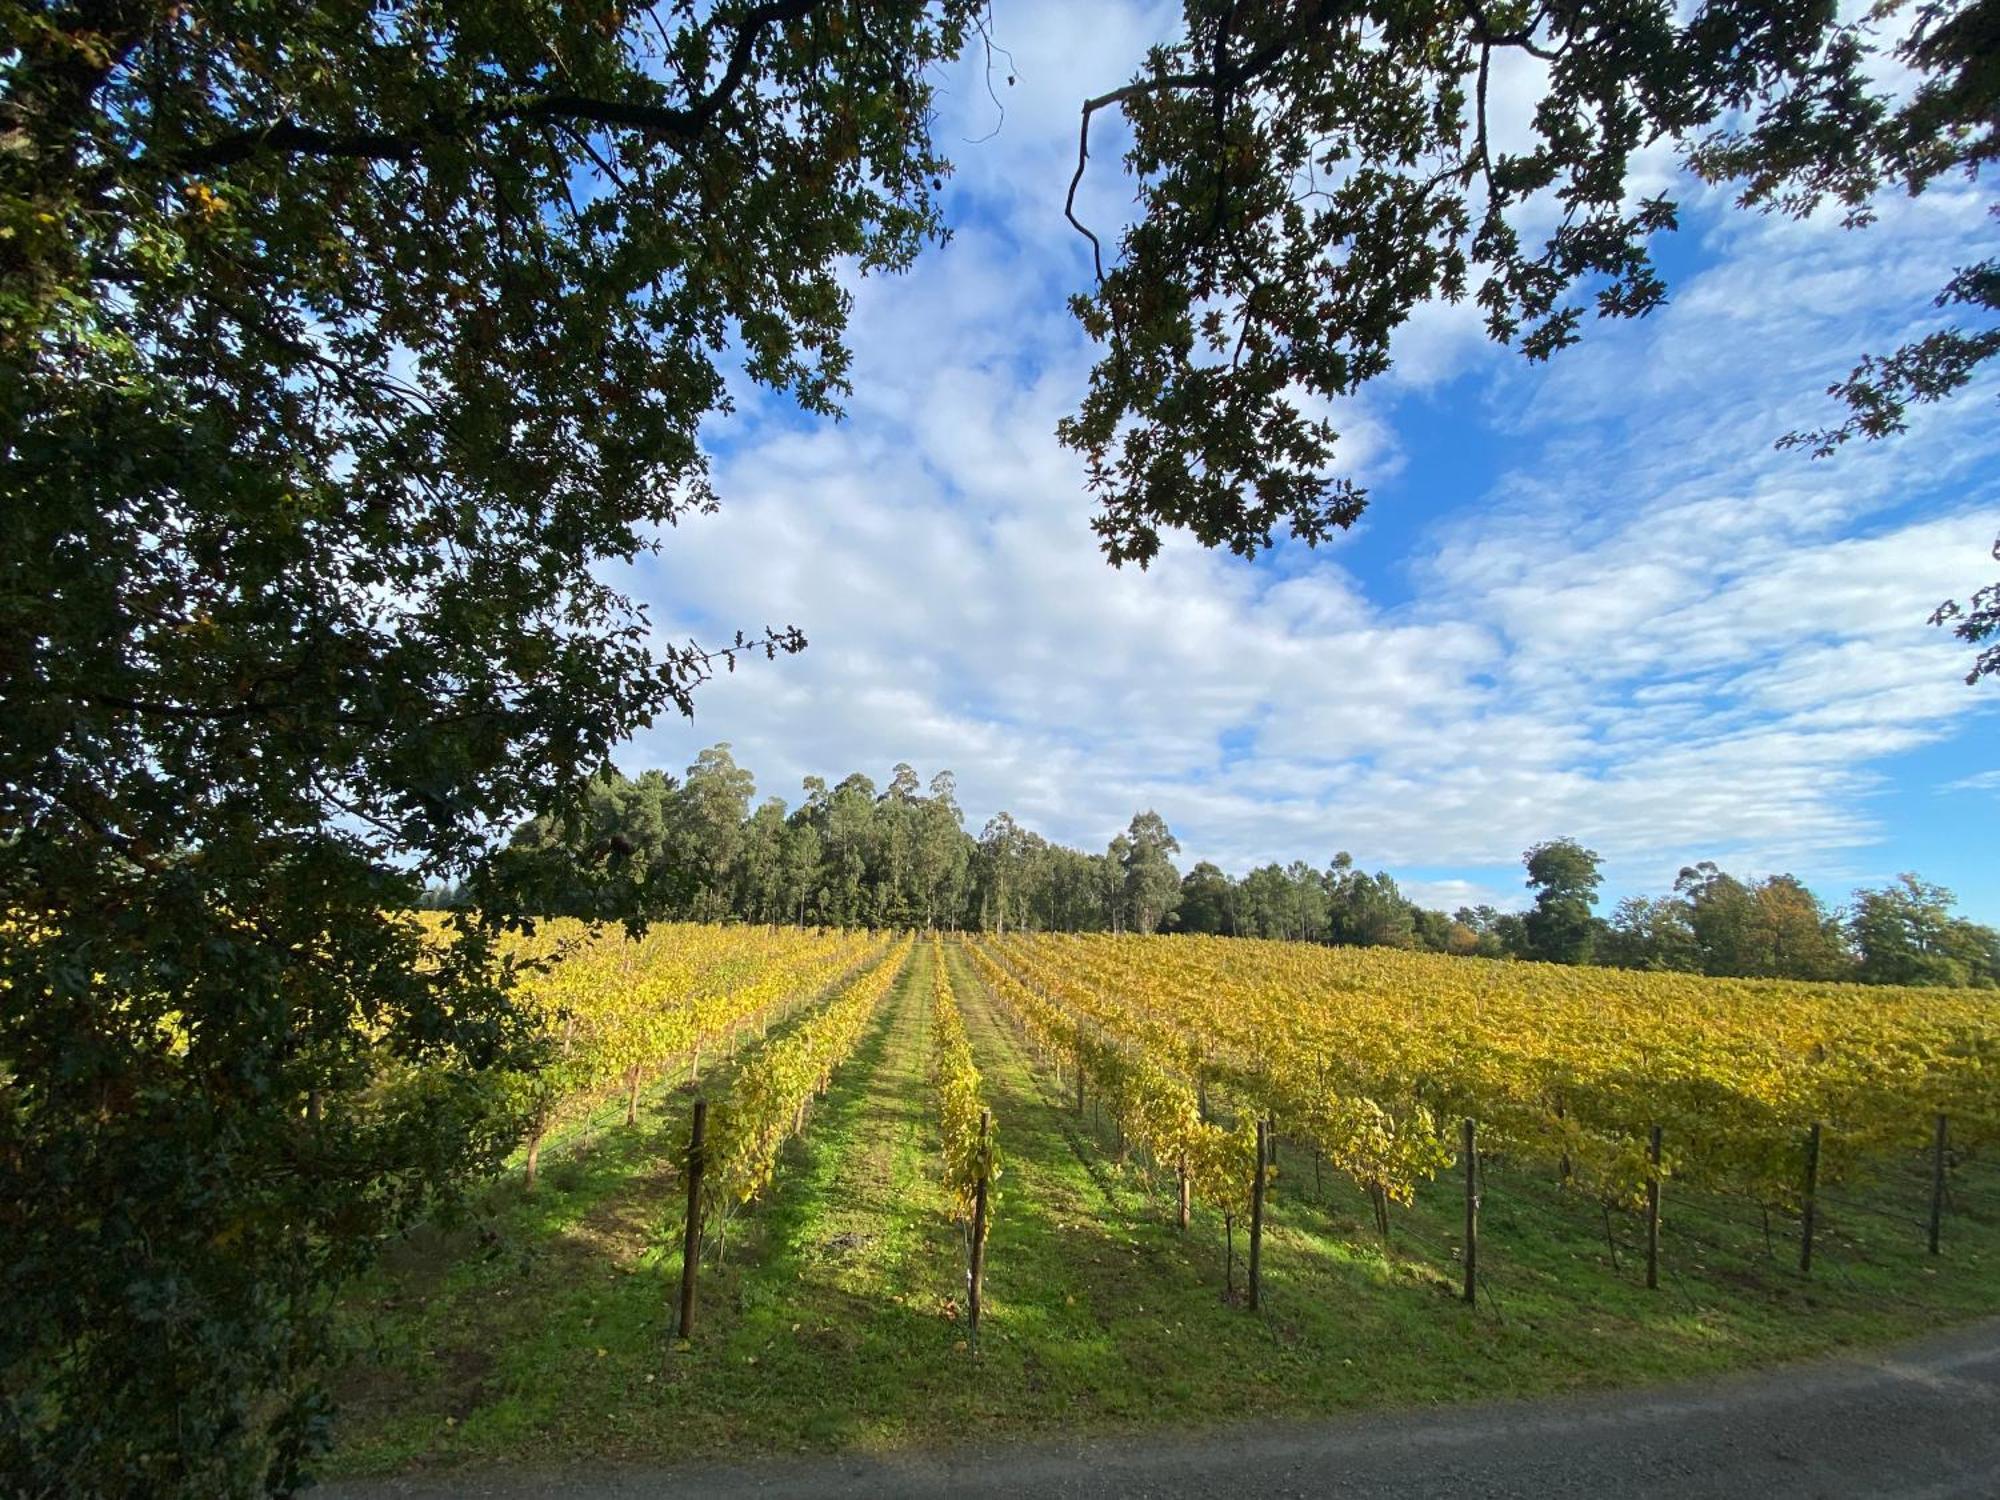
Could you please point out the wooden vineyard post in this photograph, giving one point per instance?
(1937, 1180)
(534, 1153)
(1471, 1154)
(1186, 1192)
(1257, 1217)
(976, 1273)
(1812, 1191)
(1566, 1170)
(691, 1244)
(1653, 1212)
(1079, 1081)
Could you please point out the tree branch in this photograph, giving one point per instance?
(291, 137)
(1223, 76)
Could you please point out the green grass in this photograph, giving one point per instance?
(836, 1318)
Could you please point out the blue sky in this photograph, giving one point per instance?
(1588, 598)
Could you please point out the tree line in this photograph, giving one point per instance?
(853, 854)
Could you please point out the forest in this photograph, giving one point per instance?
(702, 848)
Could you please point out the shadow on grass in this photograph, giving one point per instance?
(834, 1320)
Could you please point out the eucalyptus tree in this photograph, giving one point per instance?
(804, 892)
(1564, 876)
(943, 853)
(760, 865)
(1003, 857)
(1152, 884)
(708, 815)
(898, 901)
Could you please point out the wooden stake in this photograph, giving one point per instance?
(1471, 1212)
(977, 1272)
(691, 1243)
(1562, 1113)
(1257, 1216)
(534, 1153)
(1811, 1205)
(1186, 1192)
(1937, 1182)
(1653, 1212)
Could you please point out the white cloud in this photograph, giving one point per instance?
(1450, 895)
(1984, 781)
(1656, 632)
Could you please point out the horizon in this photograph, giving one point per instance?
(1836, 902)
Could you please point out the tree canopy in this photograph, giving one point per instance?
(1310, 171)
(854, 856)
(341, 349)
(1564, 876)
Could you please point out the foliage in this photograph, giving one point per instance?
(845, 1299)
(1142, 1081)
(851, 855)
(969, 1150)
(1371, 1056)
(1564, 876)
(1208, 900)
(344, 353)
(1308, 175)
(1152, 885)
(617, 1009)
(768, 1098)
(1651, 933)
(1906, 934)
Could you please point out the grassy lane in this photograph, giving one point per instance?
(1107, 1314)
(540, 1313)
(841, 1327)
(1346, 1325)
(835, 1318)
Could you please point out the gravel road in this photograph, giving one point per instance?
(1920, 1419)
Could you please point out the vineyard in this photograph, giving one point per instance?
(816, 1189)
(1373, 1058)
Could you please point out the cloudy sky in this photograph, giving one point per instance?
(1588, 598)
